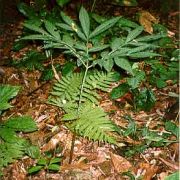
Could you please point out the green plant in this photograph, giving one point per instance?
(6, 93)
(76, 93)
(174, 176)
(11, 145)
(46, 163)
(33, 60)
(83, 116)
(62, 3)
(148, 137)
(161, 72)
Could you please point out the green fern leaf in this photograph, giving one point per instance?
(32, 60)
(24, 123)
(7, 92)
(9, 152)
(8, 135)
(68, 88)
(91, 122)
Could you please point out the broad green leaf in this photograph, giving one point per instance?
(108, 64)
(173, 128)
(133, 34)
(37, 37)
(117, 43)
(120, 52)
(26, 10)
(150, 38)
(143, 54)
(104, 26)
(35, 28)
(174, 176)
(80, 34)
(34, 169)
(52, 29)
(21, 123)
(84, 20)
(160, 83)
(67, 19)
(54, 167)
(64, 26)
(73, 25)
(98, 48)
(124, 64)
(80, 46)
(55, 160)
(68, 68)
(123, 22)
(68, 39)
(61, 3)
(134, 82)
(42, 161)
(145, 99)
(119, 91)
(138, 49)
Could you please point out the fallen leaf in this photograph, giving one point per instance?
(146, 170)
(172, 165)
(60, 137)
(163, 175)
(80, 165)
(146, 19)
(120, 164)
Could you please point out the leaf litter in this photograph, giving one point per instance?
(91, 160)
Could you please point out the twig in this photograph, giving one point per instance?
(72, 148)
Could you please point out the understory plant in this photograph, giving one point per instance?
(12, 146)
(97, 53)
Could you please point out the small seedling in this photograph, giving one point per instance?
(48, 164)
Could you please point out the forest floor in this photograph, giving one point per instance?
(91, 160)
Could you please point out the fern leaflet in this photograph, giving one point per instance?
(91, 122)
(68, 88)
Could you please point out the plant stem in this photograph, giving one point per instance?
(74, 52)
(93, 5)
(82, 86)
(80, 99)
(72, 148)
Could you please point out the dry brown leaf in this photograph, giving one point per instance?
(147, 171)
(172, 165)
(60, 137)
(120, 164)
(80, 165)
(163, 175)
(146, 19)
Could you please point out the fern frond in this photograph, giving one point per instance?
(68, 88)
(91, 122)
(11, 145)
(21, 123)
(9, 152)
(101, 80)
